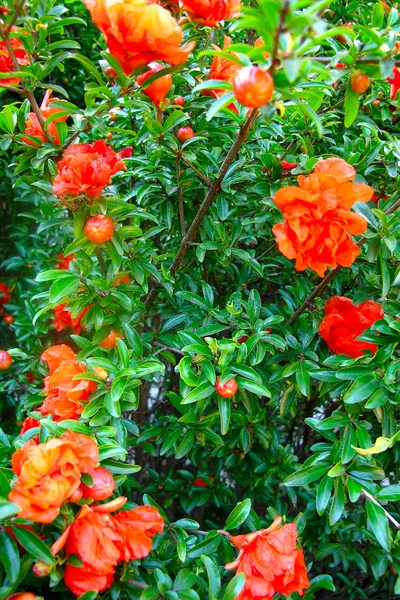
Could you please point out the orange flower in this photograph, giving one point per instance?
(137, 528)
(63, 319)
(33, 126)
(137, 34)
(102, 540)
(222, 69)
(155, 91)
(87, 169)
(64, 394)
(317, 217)
(48, 474)
(211, 12)
(270, 561)
(63, 261)
(29, 423)
(394, 83)
(6, 63)
(344, 322)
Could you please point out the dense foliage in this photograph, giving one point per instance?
(200, 292)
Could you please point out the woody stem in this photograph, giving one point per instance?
(180, 197)
(4, 35)
(208, 200)
(322, 285)
(16, 15)
(389, 516)
(195, 169)
(101, 260)
(225, 533)
(137, 584)
(280, 29)
(11, 88)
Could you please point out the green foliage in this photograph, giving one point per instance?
(217, 304)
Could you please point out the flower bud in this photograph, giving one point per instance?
(41, 569)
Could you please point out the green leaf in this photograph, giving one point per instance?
(7, 510)
(235, 586)
(185, 371)
(238, 515)
(390, 493)
(306, 475)
(219, 104)
(361, 389)
(253, 386)
(34, 545)
(338, 501)
(186, 444)
(351, 105)
(324, 492)
(378, 522)
(204, 390)
(62, 288)
(88, 596)
(133, 339)
(9, 556)
(224, 408)
(214, 579)
(207, 546)
(303, 379)
(174, 119)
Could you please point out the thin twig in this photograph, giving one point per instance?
(137, 584)
(101, 260)
(279, 30)
(322, 285)
(163, 348)
(208, 200)
(15, 17)
(195, 169)
(71, 139)
(389, 516)
(180, 198)
(11, 88)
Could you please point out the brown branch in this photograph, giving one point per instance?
(101, 260)
(11, 88)
(29, 95)
(15, 17)
(195, 169)
(71, 139)
(180, 197)
(208, 200)
(137, 584)
(322, 285)
(279, 30)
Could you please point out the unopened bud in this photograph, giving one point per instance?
(99, 372)
(41, 569)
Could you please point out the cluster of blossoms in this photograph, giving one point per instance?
(87, 169)
(65, 397)
(318, 221)
(48, 475)
(102, 540)
(270, 561)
